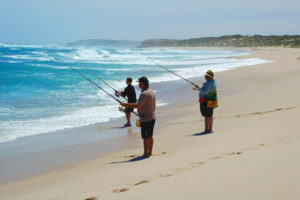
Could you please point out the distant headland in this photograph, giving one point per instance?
(289, 41)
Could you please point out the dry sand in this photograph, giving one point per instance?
(254, 152)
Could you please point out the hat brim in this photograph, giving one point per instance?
(209, 75)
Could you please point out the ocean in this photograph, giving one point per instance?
(40, 94)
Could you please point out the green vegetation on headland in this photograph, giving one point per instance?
(292, 41)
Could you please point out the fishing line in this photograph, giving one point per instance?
(92, 82)
(176, 74)
(99, 78)
(95, 84)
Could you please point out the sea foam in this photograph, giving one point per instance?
(40, 94)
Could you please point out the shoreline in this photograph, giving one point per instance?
(90, 142)
(158, 79)
(85, 140)
(250, 130)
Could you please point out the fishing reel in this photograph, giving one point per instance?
(121, 109)
(195, 88)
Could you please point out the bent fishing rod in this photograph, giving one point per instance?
(95, 84)
(176, 74)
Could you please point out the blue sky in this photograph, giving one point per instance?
(62, 21)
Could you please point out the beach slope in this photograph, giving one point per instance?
(254, 152)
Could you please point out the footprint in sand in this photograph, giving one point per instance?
(197, 164)
(120, 190)
(92, 198)
(235, 153)
(142, 182)
(280, 140)
(182, 169)
(165, 175)
(249, 149)
(264, 112)
(215, 158)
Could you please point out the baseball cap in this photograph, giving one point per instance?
(143, 79)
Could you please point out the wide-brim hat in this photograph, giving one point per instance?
(210, 73)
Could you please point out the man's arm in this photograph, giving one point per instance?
(137, 105)
(123, 94)
(132, 105)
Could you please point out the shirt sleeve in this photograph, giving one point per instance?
(206, 88)
(141, 101)
(124, 93)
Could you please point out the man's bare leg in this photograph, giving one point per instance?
(210, 124)
(128, 117)
(150, 146)
(206, 122)
(145, 147)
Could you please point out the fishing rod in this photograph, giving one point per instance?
(95, 84)
(92, 82)
(99, 78)
(176, 74)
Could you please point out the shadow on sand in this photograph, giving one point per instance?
(202, 133)
(135, 159)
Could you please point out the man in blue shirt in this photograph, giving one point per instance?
(208, 100)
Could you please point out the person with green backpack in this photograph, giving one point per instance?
(208, 100)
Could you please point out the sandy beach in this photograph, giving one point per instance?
(253, 153)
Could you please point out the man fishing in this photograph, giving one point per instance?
(129, 92)
(208, 100)
(146, 110)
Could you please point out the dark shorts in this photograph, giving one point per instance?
(147, 129)
(205, 111)
(128, 110)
